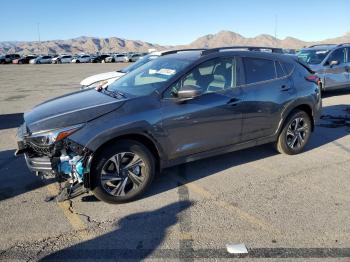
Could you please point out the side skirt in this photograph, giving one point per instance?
(219, 151)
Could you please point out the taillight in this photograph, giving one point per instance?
(313, 78)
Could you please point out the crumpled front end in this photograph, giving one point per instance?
(63, 159)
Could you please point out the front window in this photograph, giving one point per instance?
(150, 76)
(313, 57)
(214, 75)
(338, 55)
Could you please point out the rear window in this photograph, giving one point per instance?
(258, 70)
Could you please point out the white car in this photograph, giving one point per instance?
(108, 78)
(121, 58)
(62, 59)
(134, 57)
(82, 59)
(44, 59)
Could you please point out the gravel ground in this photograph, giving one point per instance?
(283, 208)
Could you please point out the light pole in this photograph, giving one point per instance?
(38, 27)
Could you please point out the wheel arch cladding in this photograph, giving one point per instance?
(303, 107)
(307, 109)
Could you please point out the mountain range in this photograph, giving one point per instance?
(85, 44)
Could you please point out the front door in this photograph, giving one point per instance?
(208, 121)
(336, 75)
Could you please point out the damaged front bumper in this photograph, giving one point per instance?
(66, 160)
(39, 164)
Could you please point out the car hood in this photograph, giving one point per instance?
(71, 109)
(100, 77)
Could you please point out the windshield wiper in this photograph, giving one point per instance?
(114, 94)
(118, 93)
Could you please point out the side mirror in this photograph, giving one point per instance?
(188, 92)
(333, 63)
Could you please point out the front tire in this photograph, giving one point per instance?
(122, 172)
(295, 133)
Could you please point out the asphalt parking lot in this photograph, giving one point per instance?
(283, 208)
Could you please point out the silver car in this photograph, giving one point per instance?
(331, 63)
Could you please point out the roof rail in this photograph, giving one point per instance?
(343, 44)
(321, 45)
(181, 50)
(247, 48)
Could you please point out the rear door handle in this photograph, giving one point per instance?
(285, 88)
(233, 101)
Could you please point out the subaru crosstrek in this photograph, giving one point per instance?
(172, 110)
(330, 62)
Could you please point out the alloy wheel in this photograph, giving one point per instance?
(122, 173)
(296, 133)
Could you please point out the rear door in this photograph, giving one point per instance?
(267, 88)
(337, 75)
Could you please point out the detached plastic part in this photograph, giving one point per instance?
(236, 249)
(71, 191)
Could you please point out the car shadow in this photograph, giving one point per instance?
(11, 120)
(15, 178)
(137, 236)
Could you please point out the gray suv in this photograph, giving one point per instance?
(330, 62)
(172, 110)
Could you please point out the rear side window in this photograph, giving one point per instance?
(258, 70)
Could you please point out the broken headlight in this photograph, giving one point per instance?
(47, 138)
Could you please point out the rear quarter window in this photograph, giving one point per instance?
(288, 67)
(258, 70)
(279, 70)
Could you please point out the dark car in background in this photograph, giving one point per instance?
(174, 109)
(99, 58)
(331, 62)
(7, 59)
(24, 59)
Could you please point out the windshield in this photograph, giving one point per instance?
(150, 76)
(313, 57)
(139, 63)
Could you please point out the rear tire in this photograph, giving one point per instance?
(295, 133)
(122, 172)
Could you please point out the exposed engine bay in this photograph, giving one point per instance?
(64, 160)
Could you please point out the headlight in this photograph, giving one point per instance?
(47, 138)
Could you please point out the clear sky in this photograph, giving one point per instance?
(171, 21)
